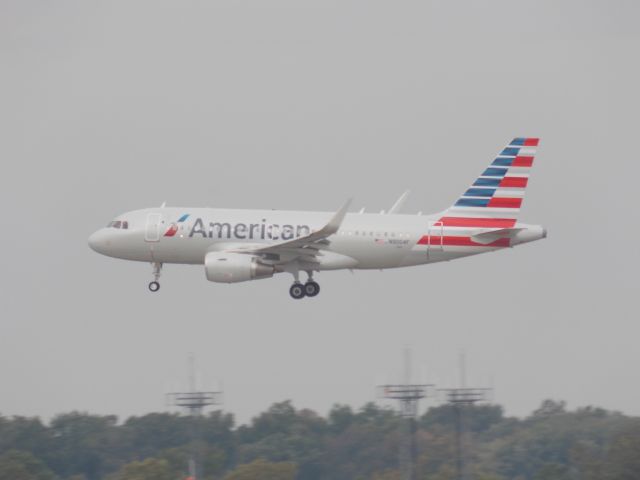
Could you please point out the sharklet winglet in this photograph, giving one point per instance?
(399, 203)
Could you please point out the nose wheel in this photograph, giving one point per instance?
(157, 270)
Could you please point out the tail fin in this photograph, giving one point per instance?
(494, 199)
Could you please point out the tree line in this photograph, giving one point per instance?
(285, 443)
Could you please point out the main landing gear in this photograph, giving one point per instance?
(311, 288)
(157, 270)
(299, 290)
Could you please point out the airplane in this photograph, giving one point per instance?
(237, 245)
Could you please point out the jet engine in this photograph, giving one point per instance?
(225, 267)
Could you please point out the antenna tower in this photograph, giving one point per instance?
(408, 396)
(194, 403)
(460, 399)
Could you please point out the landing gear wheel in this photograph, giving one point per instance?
(311, 288)
(297, 291)
(157, 270)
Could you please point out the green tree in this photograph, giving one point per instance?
(149, 434)
(387, 475)
(263, 470)
(340, 418)
(446, 472)
(622, 461)
(436, 451)
(17, 465)
(478, 418)
(552, 443)
(552, 471)
(149, 469)
(284, 434)
(368, 445)
(552, 436)
(26, 434)
(550, 407)
(279, 419)
(85, 444)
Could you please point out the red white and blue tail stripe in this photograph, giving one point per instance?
(495, 198)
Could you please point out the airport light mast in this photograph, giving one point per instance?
(461, 399)
(408, 395)
(194, 403)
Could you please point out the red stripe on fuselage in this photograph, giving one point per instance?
(477, 222)
(531, 142)
(459, 241)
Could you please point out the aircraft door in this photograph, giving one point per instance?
(152, 230)
(435, 238)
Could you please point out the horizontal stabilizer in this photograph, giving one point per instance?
(491, 236)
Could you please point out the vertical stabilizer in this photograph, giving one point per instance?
(495, 198)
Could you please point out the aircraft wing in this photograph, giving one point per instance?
(304, 248)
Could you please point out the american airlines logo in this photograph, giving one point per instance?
(173, 229)
(248, 231)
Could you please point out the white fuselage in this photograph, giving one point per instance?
(363, 241)
(242, 245)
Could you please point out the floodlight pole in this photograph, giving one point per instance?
(461, 398)
(408, 395)
(194, 403)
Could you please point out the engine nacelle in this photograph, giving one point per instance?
(225, 267)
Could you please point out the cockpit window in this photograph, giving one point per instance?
(118, 224)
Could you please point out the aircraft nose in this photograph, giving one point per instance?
(98, 241)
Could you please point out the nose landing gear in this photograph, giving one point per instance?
(157, 270)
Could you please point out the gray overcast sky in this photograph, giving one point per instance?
(113, 106)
